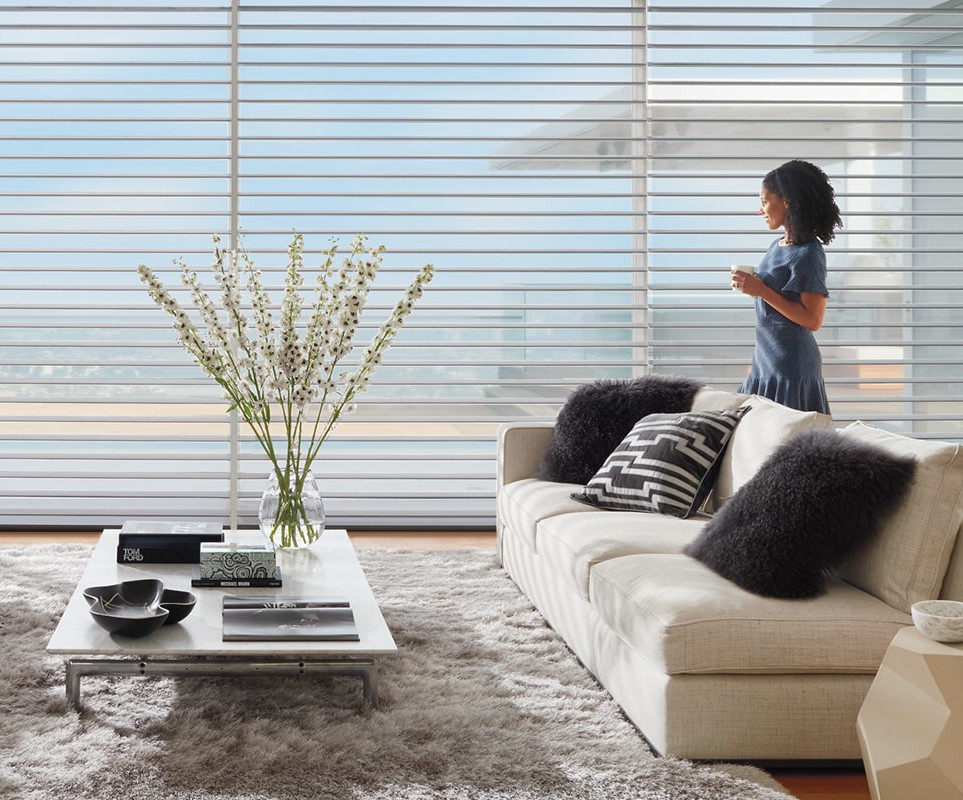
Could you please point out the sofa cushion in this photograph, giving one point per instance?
(711, 399)
(758, 435)
(682, 617)
(597, 416)
(572, 544)
(953, 582)
(818, 498)
(666, 464)
(523, 504)
(908, 560)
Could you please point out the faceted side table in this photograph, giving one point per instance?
(910, 726)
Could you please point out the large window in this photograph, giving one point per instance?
(875, 96)
(581, 174)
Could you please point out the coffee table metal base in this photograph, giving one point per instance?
(79, 667)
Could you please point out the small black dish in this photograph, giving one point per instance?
(178, 603)
(128, 608)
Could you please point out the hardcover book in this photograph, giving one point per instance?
(288, 619)
(248, 582)
(165, 541)
(171, 526)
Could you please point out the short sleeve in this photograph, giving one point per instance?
(807, 272)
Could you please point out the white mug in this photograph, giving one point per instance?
(741, 268)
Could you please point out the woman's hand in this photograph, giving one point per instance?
(808, 312)
(747, 283)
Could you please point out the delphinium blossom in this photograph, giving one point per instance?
(284, 369)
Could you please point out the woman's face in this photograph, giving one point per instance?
(773, 208)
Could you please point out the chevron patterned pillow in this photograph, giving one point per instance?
(666, 464)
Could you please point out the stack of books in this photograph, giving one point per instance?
(238, 564)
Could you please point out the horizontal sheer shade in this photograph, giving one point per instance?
(873, 96)
(582, 175)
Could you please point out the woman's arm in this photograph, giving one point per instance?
(808, 312)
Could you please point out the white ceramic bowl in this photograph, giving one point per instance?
(941, 620)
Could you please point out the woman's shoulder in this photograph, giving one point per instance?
(808, 268)
(809, 253)
(812, 246)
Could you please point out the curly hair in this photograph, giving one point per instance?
(812, 212)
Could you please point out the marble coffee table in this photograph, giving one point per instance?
(195, 646)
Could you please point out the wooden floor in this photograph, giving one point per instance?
(808, 784)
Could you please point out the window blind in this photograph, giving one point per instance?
(115, 151)
(871, 94)
(581, 175)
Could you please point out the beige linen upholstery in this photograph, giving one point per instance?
(574, 545)
(520, 447)
(758, 434)
(709, 715)
(709, 399)
(523, 504)
(907, 561)
(682, 617)
(705, 669)
(953, 582)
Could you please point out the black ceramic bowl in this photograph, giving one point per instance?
(128, 608)
(178, 603)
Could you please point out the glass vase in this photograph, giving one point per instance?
(292, 513)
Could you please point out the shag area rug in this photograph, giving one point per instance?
(482, 701)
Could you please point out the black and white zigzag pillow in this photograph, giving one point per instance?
(666, 464)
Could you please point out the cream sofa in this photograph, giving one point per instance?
(705, 669)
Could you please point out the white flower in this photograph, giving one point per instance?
(285, 372)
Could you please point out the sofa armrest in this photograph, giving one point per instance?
(520, 446)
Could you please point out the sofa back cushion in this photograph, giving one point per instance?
(711, 399)
(763, 429)
(953, 582)
(908, 560)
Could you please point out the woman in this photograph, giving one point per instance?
(789, 287)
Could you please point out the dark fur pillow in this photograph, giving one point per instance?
(817, 499)
(597, 416)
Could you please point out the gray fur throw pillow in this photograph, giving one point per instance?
(816, 500)
(597, 416)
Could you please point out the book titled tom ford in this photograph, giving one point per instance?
(165, 541)
(288, 619)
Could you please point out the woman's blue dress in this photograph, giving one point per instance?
(786, 364)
